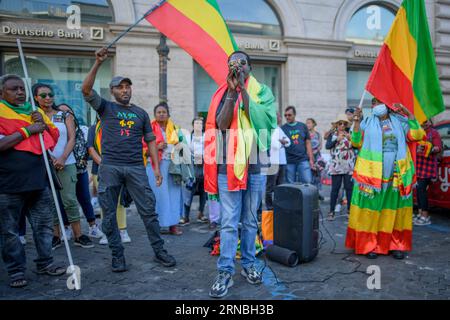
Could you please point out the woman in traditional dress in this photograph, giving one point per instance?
(381, 206)
(168, 195)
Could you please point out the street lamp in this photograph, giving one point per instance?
(163, 52)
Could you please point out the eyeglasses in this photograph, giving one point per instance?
(44, 95)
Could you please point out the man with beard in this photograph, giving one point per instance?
(124, 126)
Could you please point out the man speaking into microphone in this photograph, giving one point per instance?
(240, 120)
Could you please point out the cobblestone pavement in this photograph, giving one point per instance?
(424, 274)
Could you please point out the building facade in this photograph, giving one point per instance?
(315, 55)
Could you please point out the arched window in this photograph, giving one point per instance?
(370, 24)
(97, 11)
(250, 17)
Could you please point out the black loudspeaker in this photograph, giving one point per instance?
(296, 219)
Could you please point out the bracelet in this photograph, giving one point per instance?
(227, 98)
(24, 133)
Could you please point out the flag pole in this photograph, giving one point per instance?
(47, 166)
(362, 99)
(156, 6)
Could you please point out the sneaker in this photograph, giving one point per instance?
(69, 233)
(165, 259)
(184, 222)
(103, 240)
(213, 226)
(331, 216)
(202, 219)
(338, 208)
(56, 242)
(252, 275)
(124, 236)
(84, 242)
(94, 202)
(95, 232)
(22, 239)
(422, 221)
(223, 281)
(118, 264)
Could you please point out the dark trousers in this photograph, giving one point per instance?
(197, 188)
(422, 196)
(273, 181)
(35, 204)
(84, 196)
(336, 182)
(134, 178)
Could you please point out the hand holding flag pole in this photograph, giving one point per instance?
(72, 267)
(156, 6)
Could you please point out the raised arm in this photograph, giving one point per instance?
(100, 56)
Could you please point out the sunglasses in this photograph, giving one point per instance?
(44, 95)
(241, 62)
(342, 124)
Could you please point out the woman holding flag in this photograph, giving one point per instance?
(380, 219)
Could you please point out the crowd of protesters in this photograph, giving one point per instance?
(125, 145)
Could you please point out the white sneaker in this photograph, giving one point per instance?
(69, 234)
(103, 240)
(95, 232)
(124, 236)
(23, 241)
(338, 208)
(94, 202)
(422, 221)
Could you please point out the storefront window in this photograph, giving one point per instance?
(356, 81)
(370, 24)
(65, 75)
(205, 87)
(250, 17)
(91, 10)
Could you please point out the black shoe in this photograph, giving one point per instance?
(165, 259)
(321, 198)
(252, 275)
(223, 281)
(371, 255)
(84, 242)
(397, 254)
(56, 242)
(52, 270)
(118, 264)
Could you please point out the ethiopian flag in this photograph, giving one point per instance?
(405, 71)
(198, 27)
(16, 118)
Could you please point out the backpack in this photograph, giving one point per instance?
(79, 150)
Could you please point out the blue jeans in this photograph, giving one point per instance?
(35, 204)
(299, 172)
(238, 206)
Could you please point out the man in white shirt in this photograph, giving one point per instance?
(277, 170)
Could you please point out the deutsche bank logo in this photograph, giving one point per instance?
(97, 33)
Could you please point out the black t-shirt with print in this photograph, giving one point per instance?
(122, 131)
(298, 134)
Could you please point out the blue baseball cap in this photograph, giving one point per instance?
(116, 81)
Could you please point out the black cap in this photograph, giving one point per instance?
(117, 80)
(351, 110)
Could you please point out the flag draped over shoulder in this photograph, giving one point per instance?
(405, 71)
(198, 27)
(14, 118)
(242, 134)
